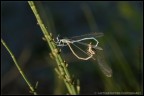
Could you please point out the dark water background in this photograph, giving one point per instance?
(121, 23)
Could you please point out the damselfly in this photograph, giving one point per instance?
(93, 50)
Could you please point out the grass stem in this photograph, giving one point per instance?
(19, 68)
(60, 62)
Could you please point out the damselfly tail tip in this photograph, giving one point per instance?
(99, 48)
(109, 75)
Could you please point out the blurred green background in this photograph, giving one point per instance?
(122, 25)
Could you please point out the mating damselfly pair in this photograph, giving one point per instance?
(92, 51)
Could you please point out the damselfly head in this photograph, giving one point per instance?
(58, 37)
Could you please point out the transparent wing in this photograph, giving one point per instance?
(99, 56)
(102, 63)
(88, 35)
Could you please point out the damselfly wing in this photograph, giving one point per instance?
(94, 34)
(100, 58)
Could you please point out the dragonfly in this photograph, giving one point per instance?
(93, 50)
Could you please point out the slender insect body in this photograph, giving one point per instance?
(92, 49)
(63, 42)
(90, 46)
